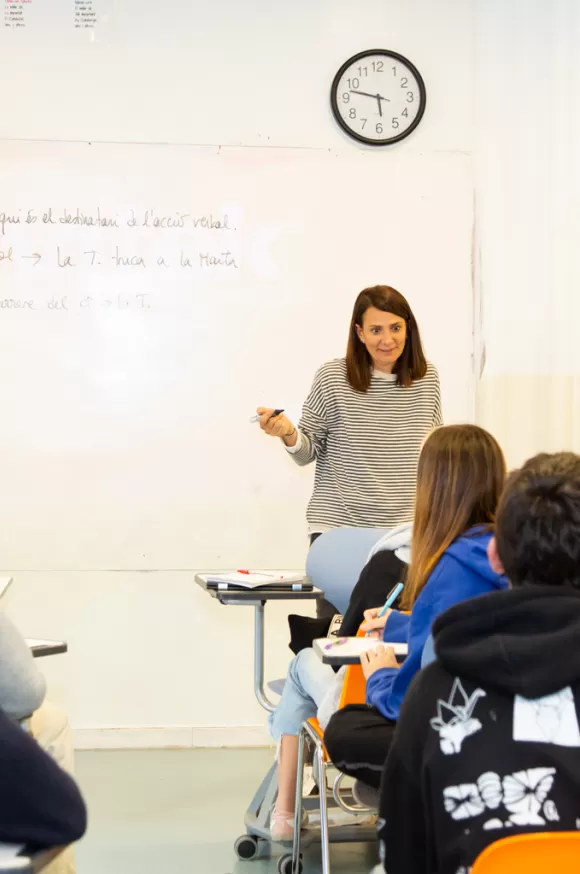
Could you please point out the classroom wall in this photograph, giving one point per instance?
(527, 135)
(152, 660)
(503, 81)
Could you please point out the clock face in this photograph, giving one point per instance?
(378, 97)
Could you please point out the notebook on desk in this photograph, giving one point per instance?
(348, 650)
(256, 580)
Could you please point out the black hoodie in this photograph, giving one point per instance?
(488, 741)
(40, 805)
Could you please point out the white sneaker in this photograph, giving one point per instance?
(282, 825)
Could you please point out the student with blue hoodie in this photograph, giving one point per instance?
(459, 481)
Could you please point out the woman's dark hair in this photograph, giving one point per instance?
(359, 366)
(538, 522)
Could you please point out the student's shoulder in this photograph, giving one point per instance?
(448, 584)
(385, 560)
(426, 688)
(431, 591)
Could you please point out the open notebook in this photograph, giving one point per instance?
(257, 580)
(348, 650)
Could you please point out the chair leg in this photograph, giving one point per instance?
(324, 848)
(298, 803)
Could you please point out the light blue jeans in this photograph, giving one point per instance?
(306, 685)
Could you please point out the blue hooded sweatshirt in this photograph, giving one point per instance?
(462, 572)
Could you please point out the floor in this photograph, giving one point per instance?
(179, 812)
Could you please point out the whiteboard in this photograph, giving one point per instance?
(152, 296)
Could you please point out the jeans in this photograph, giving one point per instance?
(307, 683)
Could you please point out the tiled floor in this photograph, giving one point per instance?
(179, 812)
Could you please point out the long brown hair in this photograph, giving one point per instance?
(460, 478)
(359, 367)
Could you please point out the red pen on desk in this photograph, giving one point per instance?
(251, 572)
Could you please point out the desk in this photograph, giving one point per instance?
(40, 648)
(258, 600)
(257, 817)
(333, 653)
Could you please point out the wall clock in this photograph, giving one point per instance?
(378, 97)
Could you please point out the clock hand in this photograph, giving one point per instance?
(365, 94)
(377, 97)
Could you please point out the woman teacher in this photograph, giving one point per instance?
(365, 419)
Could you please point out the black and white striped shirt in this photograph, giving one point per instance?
(366, 446)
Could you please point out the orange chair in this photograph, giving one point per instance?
(353, 692)
(539, 853)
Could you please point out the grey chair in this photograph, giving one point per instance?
(335, 560)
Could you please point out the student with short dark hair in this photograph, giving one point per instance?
(488, 740)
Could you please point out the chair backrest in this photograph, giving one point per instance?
(538, 853)
(336, 559)
(354, 688)
(428, 655)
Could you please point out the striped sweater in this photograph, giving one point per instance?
(366, 446)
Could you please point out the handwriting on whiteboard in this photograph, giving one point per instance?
(148, 218)
(61, 257)
(87, 303)
(74, 240)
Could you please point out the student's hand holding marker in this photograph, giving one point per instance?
(376, 617)
(273, 423)
(374, 624)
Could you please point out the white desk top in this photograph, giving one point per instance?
(348, 650)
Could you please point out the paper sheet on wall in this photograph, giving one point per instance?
(17, 13)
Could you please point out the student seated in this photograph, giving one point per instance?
(488, 740)
(312, 688)
(460, 477)
(40, 805)
(22, 697)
